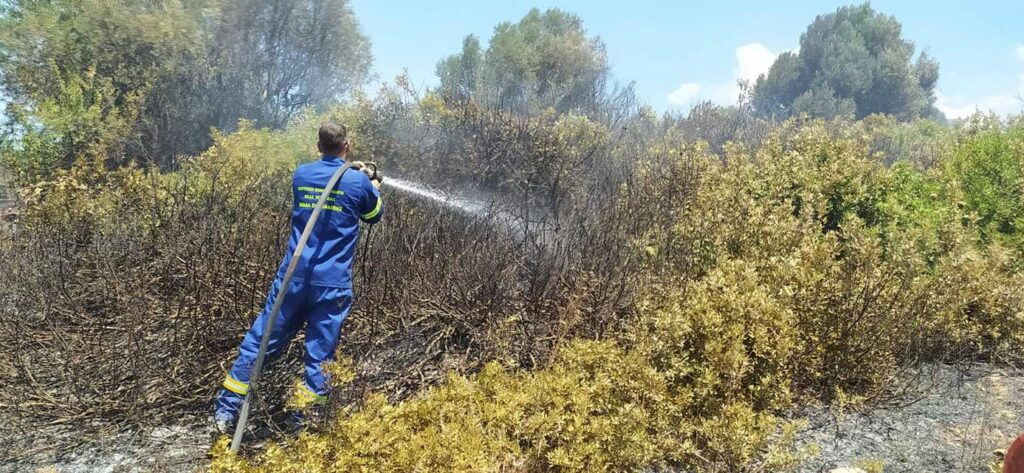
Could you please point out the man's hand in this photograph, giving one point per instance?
(376, 183)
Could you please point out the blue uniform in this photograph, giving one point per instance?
(319, 295)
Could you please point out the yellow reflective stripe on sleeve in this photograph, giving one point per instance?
(374, 212)
(235, 386)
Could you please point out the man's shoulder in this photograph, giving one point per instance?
(313, 171)
(354, 178)
(305, 168)
(353, 181)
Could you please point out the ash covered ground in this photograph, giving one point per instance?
(952, 421)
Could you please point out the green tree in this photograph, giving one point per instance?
(853, 63)
(64, 55)
(544, 60)
(179, 67)
(458, 73)
(274, 59)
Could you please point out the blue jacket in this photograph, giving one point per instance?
(326, 260)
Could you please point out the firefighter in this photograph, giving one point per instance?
(319, 295)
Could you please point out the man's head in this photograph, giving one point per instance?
(333, 139)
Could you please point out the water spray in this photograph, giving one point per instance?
(420, 190)
(475, 208)
(371, 170)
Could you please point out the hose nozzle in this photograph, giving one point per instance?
(370, 169)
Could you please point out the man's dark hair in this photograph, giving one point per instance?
(332, 137)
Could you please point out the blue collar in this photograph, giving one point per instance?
(333, 159)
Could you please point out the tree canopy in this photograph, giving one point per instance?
(544, 60)
(277, 58)
(853, 63)
(149, 79)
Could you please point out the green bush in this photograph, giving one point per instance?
(598, 407)
(987, 173)
(83, 119)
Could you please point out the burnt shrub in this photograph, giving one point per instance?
(130, 288)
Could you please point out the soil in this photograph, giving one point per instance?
(177, 448)
(952, 421)
(955, 422)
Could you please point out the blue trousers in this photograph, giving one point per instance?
(321, 309)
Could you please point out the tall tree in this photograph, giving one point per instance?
(275, 58)
(111, 78)
(458, 73)
(544, 60)
(152, 77)
(853, 62)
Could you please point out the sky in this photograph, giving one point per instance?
(681, 52)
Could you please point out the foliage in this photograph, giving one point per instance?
(596, 408)
(988, 171)
(920, 143)
(83, 120)
(718, 125)
(180, 67)
(544, 60)
(851, 63)
(806, 270)
(149, 57)
(458, 73)
(858, 252)
(279, 58)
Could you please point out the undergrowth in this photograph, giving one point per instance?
(808, 269)
(657, 302)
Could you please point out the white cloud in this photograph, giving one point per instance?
(684, 95)
(752, 60)
(1003, 103)
(960, 107)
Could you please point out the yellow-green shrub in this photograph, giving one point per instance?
(728, 336)
(865, 262)
(599, 407)
(986, 175)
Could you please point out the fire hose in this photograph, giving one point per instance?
(370, 169)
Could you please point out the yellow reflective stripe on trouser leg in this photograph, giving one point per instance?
(310, 397)
(374, 212)
(235, 386)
